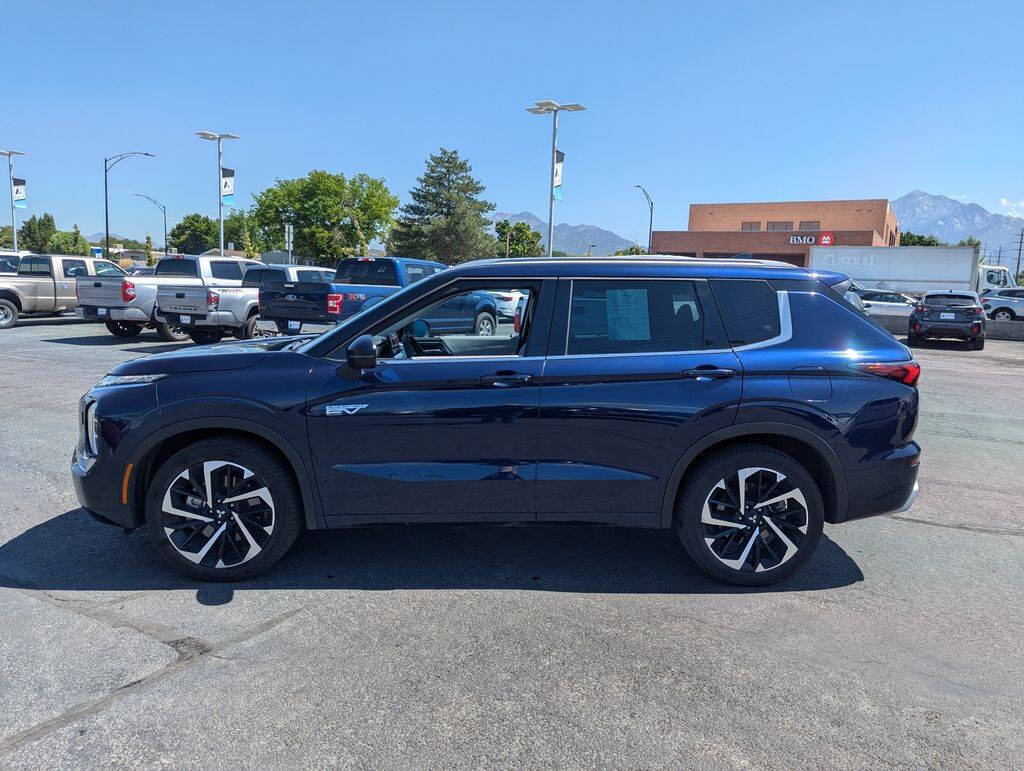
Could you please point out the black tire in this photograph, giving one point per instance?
(169, 333)
(242, 523)
(250, 331)
(124, 328)
(801, 521)
(485, 325)
(913, 339)
(1008, 315)
(206, 336)
(978, 343)
(8, 314)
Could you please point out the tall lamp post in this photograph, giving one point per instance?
(10, 187)
(163, 209)
(108, 164)
(650, 225)
(544, 107)
(218, 138)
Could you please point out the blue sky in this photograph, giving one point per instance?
(734, 102)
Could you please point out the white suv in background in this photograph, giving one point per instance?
(886, 303)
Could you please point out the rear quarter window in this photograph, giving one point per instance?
(309, 276)
(749, 308)
(227, 270)
(256, 276)
(176, 267)
(372, 272)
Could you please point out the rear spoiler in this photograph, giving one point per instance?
(838, 282)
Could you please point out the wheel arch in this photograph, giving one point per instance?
(810, 450)
(992, 313)
(152, 451)
(7, 294)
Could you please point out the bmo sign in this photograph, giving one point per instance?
(824, 238)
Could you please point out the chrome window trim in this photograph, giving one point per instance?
(463, 357)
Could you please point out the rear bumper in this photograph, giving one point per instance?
(204, 320)
(960, 330)
(885, 484)
(92, 313)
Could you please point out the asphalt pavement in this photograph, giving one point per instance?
(900, 643)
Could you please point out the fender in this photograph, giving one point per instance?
(738, 431)
(310, 493)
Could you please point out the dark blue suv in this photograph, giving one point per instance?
(743, 403)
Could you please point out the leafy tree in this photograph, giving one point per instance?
(519, 240)
(446, 218)
(195, 234)
(559, 253)
(971, 241)
(241, 230)
(63, 242)
(331, 216)
(632, 250)
(7, 237)
(149, 251)
(35, 232)
(914, 239)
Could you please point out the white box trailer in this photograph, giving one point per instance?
(915, 269)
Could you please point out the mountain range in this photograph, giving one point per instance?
(951, 220)
(573, 239)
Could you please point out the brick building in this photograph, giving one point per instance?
(780, 231)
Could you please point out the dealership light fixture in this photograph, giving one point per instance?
(543, 107)
(10, 179)
(213, 136)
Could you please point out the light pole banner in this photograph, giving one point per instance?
(227, 186)
(559, 158)
(18, 193)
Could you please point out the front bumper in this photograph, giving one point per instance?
(93, 485)
(91, 313)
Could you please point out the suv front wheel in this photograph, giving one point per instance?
(223, 509)
(750, 515)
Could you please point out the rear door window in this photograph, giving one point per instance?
(367, 271)
(414, 273)
(226, 270)
(255, 276)
(73, 268)
(104, 268)
(176, 267)
(35, 266)
(749, 308)
(621, 317)
(311, 276)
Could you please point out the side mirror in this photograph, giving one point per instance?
(867, 305)
(362, 353)
(420, 328)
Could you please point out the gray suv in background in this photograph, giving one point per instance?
(1004, 304)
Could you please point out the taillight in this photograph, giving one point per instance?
(127, 290)
(978, 311)
(334, 303)
(212, 300)
(505, 298)
(906, 372)
(517, 321)
(78, 293)
(919, 309)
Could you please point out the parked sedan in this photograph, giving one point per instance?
(1004, 304)
(948, 314)
(882, 303)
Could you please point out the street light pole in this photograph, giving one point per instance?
(544, 107)
(108, 164)
(10, 187)
(163, 209)
(650, 225)
(213, 136)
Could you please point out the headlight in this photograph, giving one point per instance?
(112, 380)
(92, 429)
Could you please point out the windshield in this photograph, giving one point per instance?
(949, 300)
(175, 266)
(367, 271)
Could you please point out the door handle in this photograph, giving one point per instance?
(506, 380)
(706, 373)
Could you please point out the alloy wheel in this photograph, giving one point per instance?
(1002, 316)
(754, 520)
(5, 314)
(218, 514)
(485, 327)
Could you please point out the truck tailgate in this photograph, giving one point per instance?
(295, 301)
(181, 299)
(105, 291)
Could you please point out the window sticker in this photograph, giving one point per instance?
(628, 314)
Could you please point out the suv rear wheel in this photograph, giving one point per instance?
(206, 336)
(750, 515)
(1003, 314)
(222, 509)
(170, 333)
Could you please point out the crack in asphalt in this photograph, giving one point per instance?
(954, 526)
(190, 651)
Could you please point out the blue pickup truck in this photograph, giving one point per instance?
(361, 282)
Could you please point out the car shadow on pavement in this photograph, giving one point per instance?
(50, 321)
(110, 341)
(938, 345)
(72, 552)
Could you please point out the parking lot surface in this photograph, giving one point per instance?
(900, 642)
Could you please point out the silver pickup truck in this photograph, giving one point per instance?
(45, 283)
(210, 313)
(128, 305)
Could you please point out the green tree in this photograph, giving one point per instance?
(633, 250)
(195, 234)
(64, 242)
(7, 237)
(35, 232)
(519, 240)
(913, 239)
(559, 253)
(149, 251)
(331, 216)
(446, 218)
(240, 229)
(970, 241)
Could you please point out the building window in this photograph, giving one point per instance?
(780, 225)
(750, 226)
(810, 225)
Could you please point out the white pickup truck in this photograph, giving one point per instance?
(128, 305)
(208, 313)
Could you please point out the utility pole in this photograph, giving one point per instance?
(1020, 243)
(10, 187)
(650, 222)
(219, 139)
(508, 239)
(108, 164)
(543, 108)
